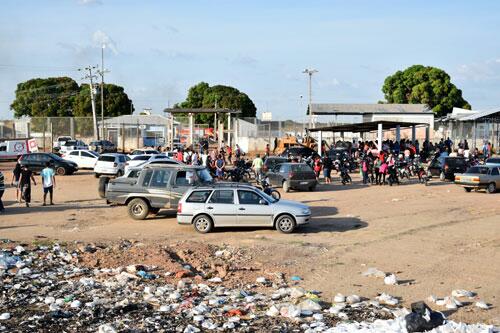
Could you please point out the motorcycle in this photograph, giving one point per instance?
(393, 175)
(266, 187)
(343, 168)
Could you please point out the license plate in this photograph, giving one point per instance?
(303, 183)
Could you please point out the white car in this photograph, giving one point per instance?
(143, 152)
(85, 159)
(141, 159)
(134, 171)
(110, 164)
(71, 145)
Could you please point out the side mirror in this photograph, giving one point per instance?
(262, 202)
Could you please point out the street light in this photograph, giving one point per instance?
(310, 72)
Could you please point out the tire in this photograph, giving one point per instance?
(154, 210)
(442, 177)
(285, 223)
(138, 209)
(286, 187)
(312, 188)
(467, 189)
(491, 188)
(103, 183)
(60, 171)
(275, 194)
(203, 224)
(96, 175)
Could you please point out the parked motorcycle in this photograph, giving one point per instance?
(343, 168)
(265, 186)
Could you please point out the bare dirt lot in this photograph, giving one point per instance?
(435, 238)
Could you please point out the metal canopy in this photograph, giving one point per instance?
(201, 110)
(366, 127)
(326, 109)
(481, 114)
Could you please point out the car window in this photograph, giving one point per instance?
(283, 168)
(185, 178)
(159, 157)
(222, 197)
(300, 167)
(198, 196)
(134, 174)
(106, 158)
(160, 178)
(85, 154)
(494, 172)
(147, 178)
(480, 170)
(121, 159)
(248, 197)
(141, 158)
(43, 157)
(75, 153)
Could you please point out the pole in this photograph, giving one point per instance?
(310, 72)
(91, 77)
(102, 91)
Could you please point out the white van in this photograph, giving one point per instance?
(11, 149)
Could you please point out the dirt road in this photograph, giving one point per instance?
(436, 238)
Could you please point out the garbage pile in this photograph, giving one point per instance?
(53, 288)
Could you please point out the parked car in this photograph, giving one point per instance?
(60, 141)
(480, 177)
(447, 167)
(103, 146)
(85, 159)
(493, 161)
(141, 159)
(133, 172)
(157, 187)
(110, 164)
(295, 152)
(273, 161)
(236, 205)
(298, 176)
(73, 145)
(36, 163)
(143, 152)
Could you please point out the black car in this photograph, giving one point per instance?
(36, 163)
(272, 161)
(298, 176)
(103, 146)
(295, 152)
(447, 167)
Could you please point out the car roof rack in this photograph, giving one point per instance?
(226, 184)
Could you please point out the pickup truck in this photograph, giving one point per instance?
(158, 186)
(60, 141)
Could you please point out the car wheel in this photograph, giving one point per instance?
(203, 224)
(138, 209)
(286, 187)
(467, 189)
(60, 171)
(285, 224)
(96, 175)
(442, 177)
(491, 188)
(103, 183)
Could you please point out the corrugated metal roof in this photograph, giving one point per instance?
(480, 114)
(139, 119)
(360, 109)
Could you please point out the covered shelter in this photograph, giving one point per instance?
(372, 126)
(219, 120)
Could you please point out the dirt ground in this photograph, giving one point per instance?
(435, 238)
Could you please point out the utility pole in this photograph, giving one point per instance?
(91, 78)
(101, 73)
(310, 72)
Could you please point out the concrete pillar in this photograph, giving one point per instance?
(398, 133)
(320, 140)
(413, 134)
(229, 129)
(220, 131)
(379, 137)
(427, 130)
(190, 142)
(72, 128)
(28, 134)
(474, 134)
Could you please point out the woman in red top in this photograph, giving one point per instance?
(317, 167)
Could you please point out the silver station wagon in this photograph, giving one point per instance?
(236, 205)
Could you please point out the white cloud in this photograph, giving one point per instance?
(101, 38)
(479, 71)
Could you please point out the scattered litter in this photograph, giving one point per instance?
(482, 305)
(390, 280)
(295, 278)
(372, 271)
(422, 318)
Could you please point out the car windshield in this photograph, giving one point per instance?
(300, 167)
(204, 176)
(141, 158)
(55, 157)
(267, 197)
(93, 153)
(106, 158)
(478, 170)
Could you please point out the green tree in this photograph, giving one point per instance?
(426, 85)
(116, 102)
(50, 97)
(204, 96)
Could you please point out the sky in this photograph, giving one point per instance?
(156, 50)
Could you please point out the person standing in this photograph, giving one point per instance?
(220, 165)
(25, 184)
(16, 174)
(2, 189)
(327, 169)
(257, 167)
(48, 183)
(229, 151)
(275, 145)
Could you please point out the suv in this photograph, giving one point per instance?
(237, 205)
(110, 164)
(447, 167)
(103, 146)
(36, 163)
(156, 187)
(293, 176)
(272, 161)
(295, 152)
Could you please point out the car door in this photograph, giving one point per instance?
(40, 162)
(181, 182)
(253, 210)
(282, 173)
(74, 156)
(495, 176)
(157, 185)
(221, 206)
(87, 160)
